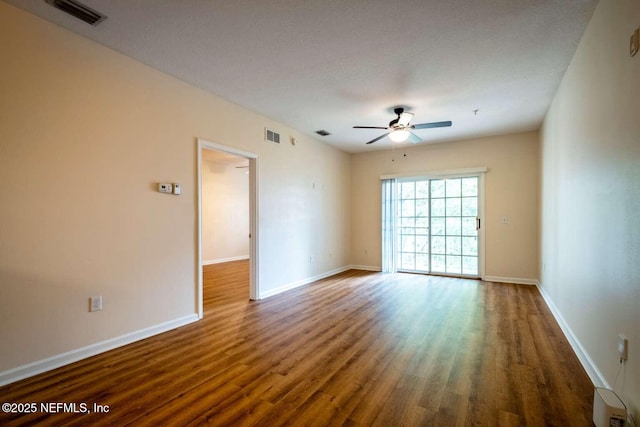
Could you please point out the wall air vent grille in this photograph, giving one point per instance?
(271, 136)
(78, 10)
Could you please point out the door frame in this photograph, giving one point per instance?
(254, 287)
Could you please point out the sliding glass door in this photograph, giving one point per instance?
(437, 225)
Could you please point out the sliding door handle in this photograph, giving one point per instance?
(477, 223)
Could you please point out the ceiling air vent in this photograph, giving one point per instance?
(271, 136)
(322, 132)
(78, 10)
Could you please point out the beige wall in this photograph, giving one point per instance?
(591, 196)
(511, 190)
(85, 134)
(225, 208)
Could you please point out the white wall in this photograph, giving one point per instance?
(590, 244)
(511, 189)
(225, 208)
(85, 135)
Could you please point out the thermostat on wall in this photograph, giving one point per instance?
(164, 188)
(174, 188)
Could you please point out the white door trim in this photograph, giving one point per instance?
(439, 174)
(203, 144)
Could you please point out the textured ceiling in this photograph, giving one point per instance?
(332, 64)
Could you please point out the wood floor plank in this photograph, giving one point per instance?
(356, 349)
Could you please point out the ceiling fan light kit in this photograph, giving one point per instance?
(399, 135)
(400, 127)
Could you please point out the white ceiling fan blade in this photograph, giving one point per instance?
(405, 118)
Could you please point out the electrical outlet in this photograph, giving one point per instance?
(95, 303)
(623, 347)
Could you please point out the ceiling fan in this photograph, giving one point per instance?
(400, 129)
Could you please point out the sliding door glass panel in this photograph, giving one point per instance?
(454, 242)
(469, 232)
(413, 215)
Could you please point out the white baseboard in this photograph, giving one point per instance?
(593, 372)
(365, 267)
(514, 280)
(302, 282)
(218, 261)
(44, 365)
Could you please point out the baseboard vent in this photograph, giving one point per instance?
(78, 10)
(271, 136)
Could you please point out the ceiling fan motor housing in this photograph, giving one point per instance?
(393, 124)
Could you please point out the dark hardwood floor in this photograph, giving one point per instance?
(355, 349)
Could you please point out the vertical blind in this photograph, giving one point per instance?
(389, 202)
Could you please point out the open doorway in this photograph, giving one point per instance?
(227, 212)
